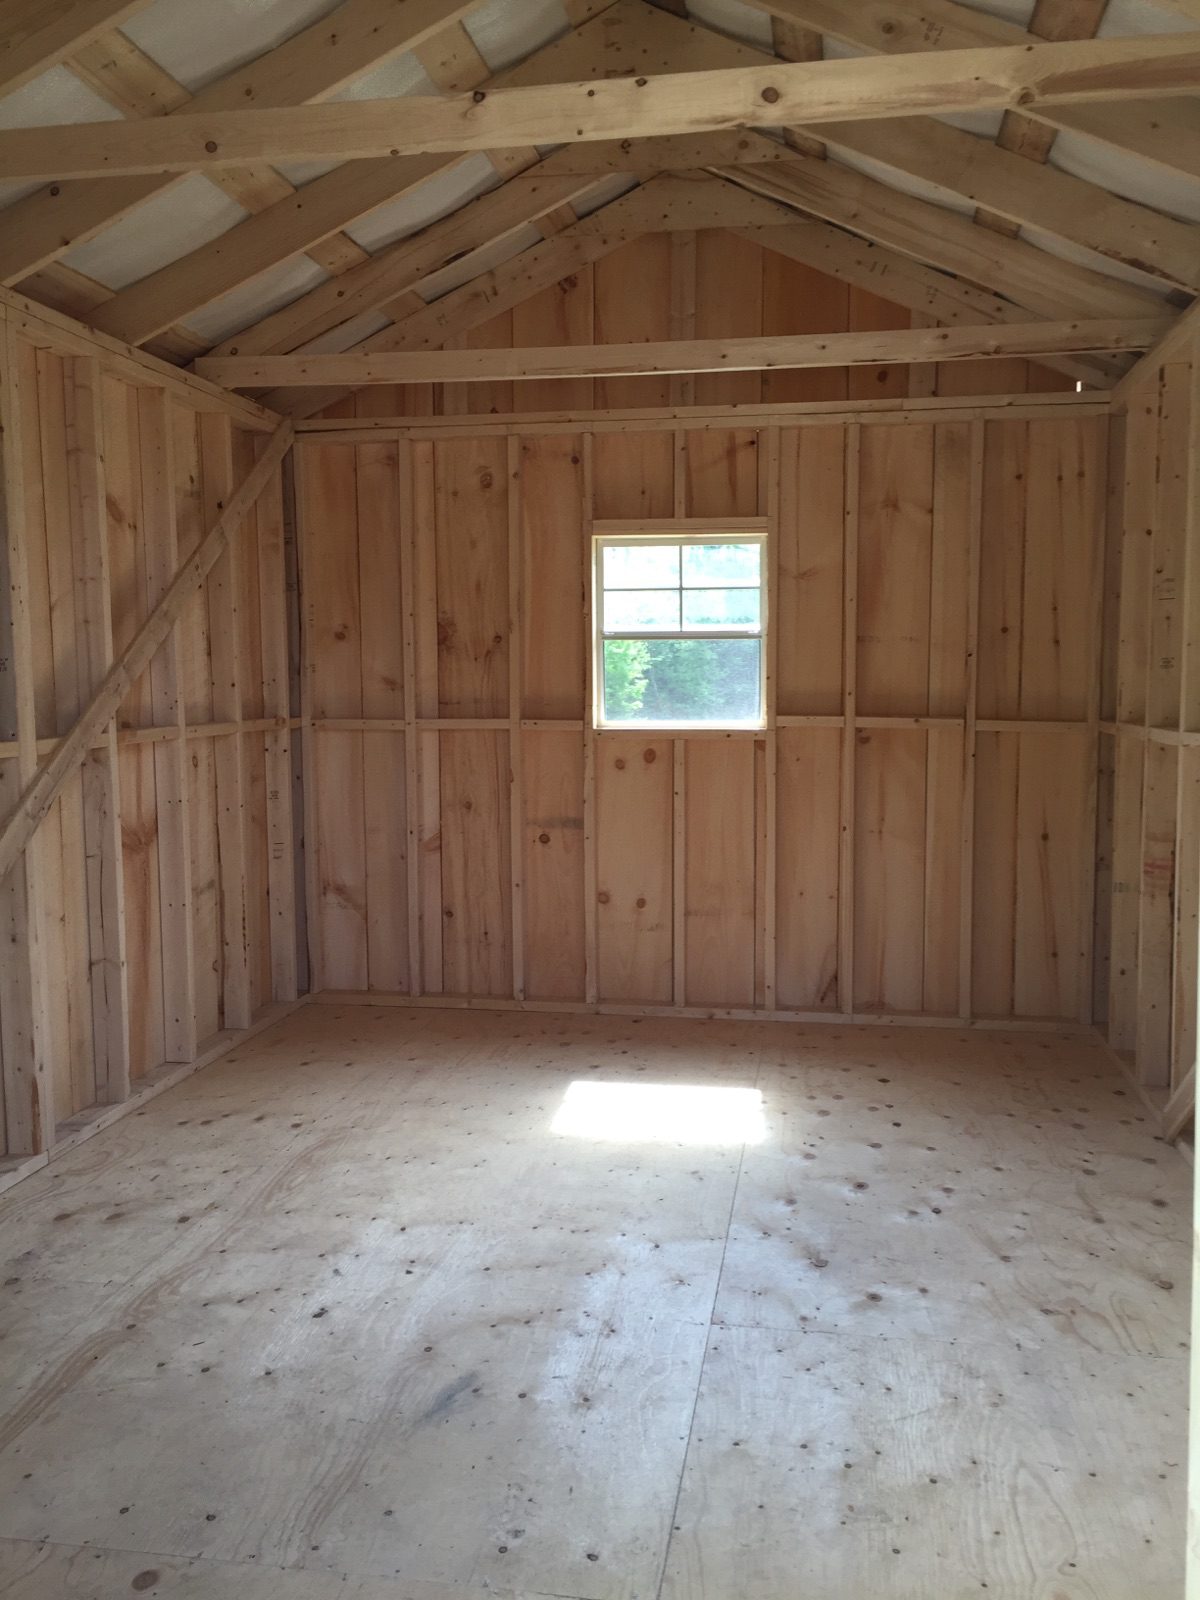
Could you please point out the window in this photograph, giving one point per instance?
(679, 630)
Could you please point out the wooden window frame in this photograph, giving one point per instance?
(679, 531)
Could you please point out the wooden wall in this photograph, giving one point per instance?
(152, 914)
(1149, 841)
(913, 834)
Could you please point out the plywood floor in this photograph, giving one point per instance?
(363, 1313)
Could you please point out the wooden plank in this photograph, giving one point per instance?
(58, 645)
(811, 537)
(28, 1092)
(807, 847)
(847, 857)
(46, 328)
(139, 798)
(1156, 914)
(718, 872)
(553, 845)
(767, 857)
(817, 413)
(223, 613)
(281, 841)
(995, 874)
(1002, 568)
(895, 538)
(889, 882)
(38, 36)
(679, 866)
(408, 611)
(516, 753)
(100, 773)
(972, 575)
(1164, 683)
(40, 793)
(634, 868)
(476, 876)
(471, 546)
(591, 898)
(1126, 894)
(774, 96)
(946, 799)
(1026, 275)
(1166, 135)
(873, 347)
(1053, 913)
(425, 655)
(375, 631)
(554, 645)
(1007, 184)
(1186, 956)
(153, 459)
(313, 63)
(1064, 490)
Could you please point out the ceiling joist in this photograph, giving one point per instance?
(764, 354)
(779, 95)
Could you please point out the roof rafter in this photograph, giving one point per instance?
(37, 34)
(321, 208)
(480, 223)
(1167, 133)
(1015, 188)
(904, 282)
(1042, 283)
(1027, 193)
(648, 209)
(709, 202)
(778, 95)
(312, 64)
(667, 202)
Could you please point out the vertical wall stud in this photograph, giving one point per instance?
(967, 866)
(306, 535)
(425, 635)
(281, 888)
(771, 764)
(28, 1091)
(679, 872)
(223, 602)
(100, 773)
(849, 729)
(516, 652)
(589, 735)
(411, 741)
(170, 757)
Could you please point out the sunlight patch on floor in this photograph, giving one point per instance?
(661, 1113)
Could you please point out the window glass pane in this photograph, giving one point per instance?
(712, 564)
(641, 566)
(720, 608)
(682, 680)
(632, 610)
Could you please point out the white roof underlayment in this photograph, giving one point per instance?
(200, 41)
